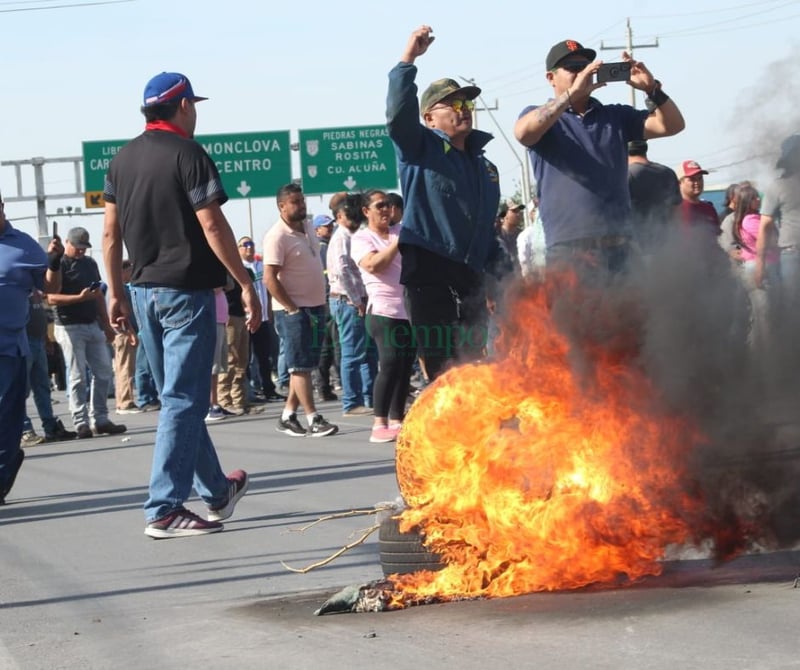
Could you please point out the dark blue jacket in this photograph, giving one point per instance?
(451, 196)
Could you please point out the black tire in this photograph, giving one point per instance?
(404, 553)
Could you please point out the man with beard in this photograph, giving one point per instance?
(294, 279)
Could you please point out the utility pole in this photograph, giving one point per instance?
(629, 47)
(526, 189)
(40, 197)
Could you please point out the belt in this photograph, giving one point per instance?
(338, 296)
(605, 242)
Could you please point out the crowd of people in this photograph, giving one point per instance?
(203, 326)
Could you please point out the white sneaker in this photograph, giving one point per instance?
(128, 410)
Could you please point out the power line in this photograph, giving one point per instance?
(718, 11)
(69, 6)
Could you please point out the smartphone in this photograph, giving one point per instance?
(94, 285)
(55, 229)
(614, 72)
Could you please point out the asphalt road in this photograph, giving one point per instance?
(81, 586)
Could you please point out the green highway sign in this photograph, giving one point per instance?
(347, 159)
(251, 165)
(96, 159)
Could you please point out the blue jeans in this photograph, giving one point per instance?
(358, 364)
(144, 384)
(13, 375)
(85, 345)
(178, 329)
(39, 385)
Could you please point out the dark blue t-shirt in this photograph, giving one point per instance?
(581, 171)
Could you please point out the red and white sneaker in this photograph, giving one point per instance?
(238, 481)
(180, 523)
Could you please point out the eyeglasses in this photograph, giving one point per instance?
(574, 66)
(247, 245)
(382, 204)
(459, 104)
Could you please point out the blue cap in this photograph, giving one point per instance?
(321, 220)
(169, 87)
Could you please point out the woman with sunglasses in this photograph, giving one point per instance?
(375, 250)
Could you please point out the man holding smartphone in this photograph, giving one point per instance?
(578, 150)
(84, 332)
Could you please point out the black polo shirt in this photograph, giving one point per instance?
(158, 181)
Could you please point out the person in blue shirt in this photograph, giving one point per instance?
(24, 267)
(578, 149)
(451, 193)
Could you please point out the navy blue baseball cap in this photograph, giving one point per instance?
(169, 87)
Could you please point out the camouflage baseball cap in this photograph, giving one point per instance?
(442, 88)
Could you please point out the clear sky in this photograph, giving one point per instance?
(74, 70)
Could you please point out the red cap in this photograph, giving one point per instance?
(690, 169)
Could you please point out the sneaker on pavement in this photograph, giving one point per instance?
(275, 397)
(215, 413)
(233, 411)
(109, 428)
(238, 481)
(31, 439)
(84, 432)
(320, 427)
(59, 433)
(133, 409)
(328, 396)
(151, 407)
(382, 434)
(181, 523)
(357, 411)
(291, 427)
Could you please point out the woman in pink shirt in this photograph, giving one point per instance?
(746, 224)
(375, 251)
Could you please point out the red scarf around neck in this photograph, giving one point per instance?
(166, 126)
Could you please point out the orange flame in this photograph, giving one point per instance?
(525, 478)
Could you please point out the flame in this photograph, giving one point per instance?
(525, 476)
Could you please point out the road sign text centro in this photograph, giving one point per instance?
(351, 158)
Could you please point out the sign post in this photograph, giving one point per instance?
(347, 159)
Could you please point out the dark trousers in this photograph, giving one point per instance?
(330, 355)
(13, 388)
(449, 325)
(396, 355)
(261, 346)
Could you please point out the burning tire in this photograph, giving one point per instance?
(402, 553)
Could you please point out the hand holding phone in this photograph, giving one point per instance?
(620, 71)
(94, 285)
